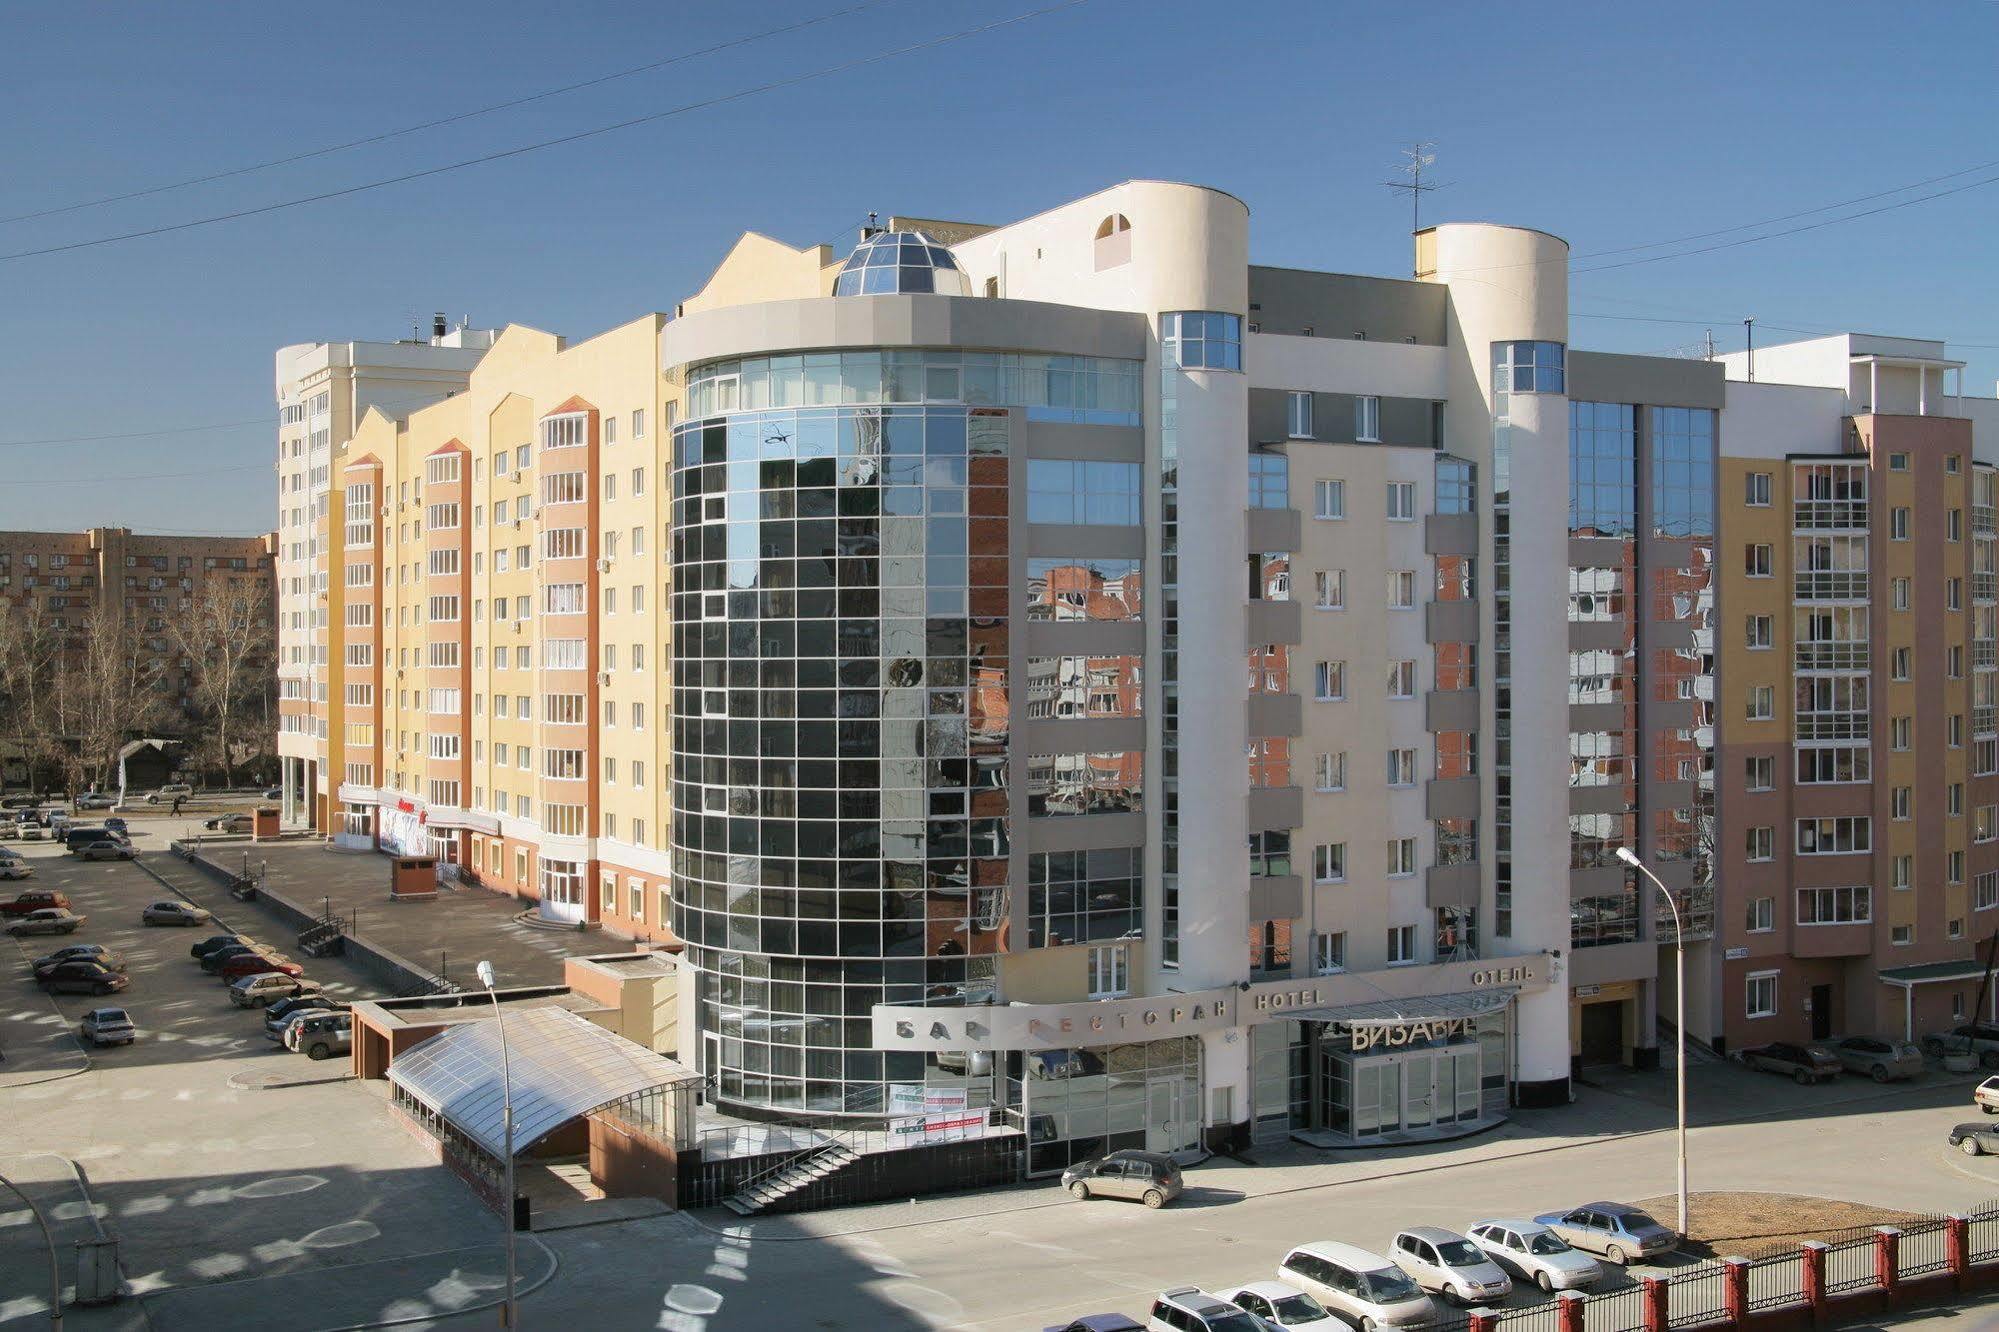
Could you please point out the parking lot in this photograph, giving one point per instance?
(215, 1185)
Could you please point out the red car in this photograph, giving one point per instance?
(249, 964)
(34, 900)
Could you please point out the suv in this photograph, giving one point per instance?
(280, 1013)
(1191, 1309)
(35, 899)
(1148, 1177)
(1976, 1038)
(321, 1035)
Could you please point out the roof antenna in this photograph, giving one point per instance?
(1418, 156)
(873, 228)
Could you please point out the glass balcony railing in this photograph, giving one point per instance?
(1830, 585)
(1832, 725)
(1829, 515)
(1984, 520)
(1830, 657)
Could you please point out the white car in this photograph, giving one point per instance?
(1532, 1252)
(1447, 1263)
(1986, 1095)
(1286, 1306)
(1363, 1288)
(13, 867)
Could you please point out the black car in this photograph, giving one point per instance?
(1801, 1063)
(215, 961)
(211, 943)
(82, 977)
(1975, 1139)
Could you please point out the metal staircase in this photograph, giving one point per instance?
(325, 937)
(799, 1171)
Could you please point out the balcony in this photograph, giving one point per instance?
(1984, 520)
(1985, 587)
(1267, 622)
(1275, 529)
(1985, 721)
(1276, 715)
(1829, 585)
(1832, 940)
(1830, 656)
(1984, 654)
(1451, 886)
(1274, 807)
(1450, 622)
(1829, 515)
(1832, 726)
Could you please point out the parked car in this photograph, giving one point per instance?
(82, 977)
(48, 920)
(119, 826)
(1147, 1177)
(282, 1012)
(1975, 1139)
(172, 911)
(95, 951)
(1103, 1322)
(212, 961)
(1191, 1309)
(107, 849)
(1618, 1231)
(13, 867)
(266, 987)
(1285, 1306)
(323, 1035)
(165, 795)
(1446, 1263)
(214, 942)
(1532, 1252)
(1986, 1095)
(108, 1026)
(1977, 1038)
(228, 823)
(76, 838)
(96, 800)
(249, 964)
(1802, 1064)
(1884, 1061)
(274, 793)
(1363, 1288)
(35, 899)
(10, 831)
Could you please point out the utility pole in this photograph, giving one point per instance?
(1749, 344)
(1418, 157)
(1710, 344)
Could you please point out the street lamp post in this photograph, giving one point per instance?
(1629, 857)
(509, 1312)
(55, 1266)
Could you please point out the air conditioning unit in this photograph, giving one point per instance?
(518, 624)
(603, 677)
(603, 566)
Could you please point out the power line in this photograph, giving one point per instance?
(144, 476)
(135, 434)
(721, 99)
(452, 119)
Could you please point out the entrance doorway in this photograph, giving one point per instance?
(1821, 1012)
(1603, 1033)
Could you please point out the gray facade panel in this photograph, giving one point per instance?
(1081, 832)
(1273, 622)
(1655, 381)
(1341, 305)
(1276, 714)
(1597, 552)
(1451, 886)
(1092, 735)
(1403, 421)
(1451, 798)
(1095, 443)
(1599, 881)
(1609, 799)
(1451, 534)
(1450, 622)
(1096, 639)
(1450, 710)
(1607, 964)
(1272, 530)
(1603, 636)
(1276, 807)
(1596, 716)
(1276, 897)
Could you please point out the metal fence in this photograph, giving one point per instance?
(1615, 1311)
(1699, 1296)
(1985, 1233)
(1850, 1266)
(1538, 1318)
(1923, 1248)
(1776, 1282)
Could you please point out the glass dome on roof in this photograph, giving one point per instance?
(900, 261)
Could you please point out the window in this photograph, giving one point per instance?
(1528, 367)
(1401, 945)
(1402, 679)
(1756, 560)
(1762, 915)
(1901, 936)
(1402, 501)
(1898, 523)
(1102, 494)
(1835, 836)
(1329, 862)
(1760, 773)
(1835, 906)
(1954, 928)
(1110, 974)
(1901, 872)
(1367, 419)
(1756, 489)
(1954, 800)
(1761, 998)
(1756, 632)
(1985, 891)
(1402, 589)
(1898, 733)
(1953, 867)
(1898, 663)
(1898, 594)
(1329, 681)
(1953, 525)
(1329, 953)
(1401, 767)
(1401, 857)
(1898, 802)
(1762, 702)
(1950, 464)
(1269, 481)
(1330, 772)
(1201, 340)
(1985, 823)
(1761, 843)
(1298, 424)
(1329, 589)
(1898, 462)
(1329, 499)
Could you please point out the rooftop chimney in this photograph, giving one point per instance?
(438, 325)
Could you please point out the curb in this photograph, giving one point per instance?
(63, 1022)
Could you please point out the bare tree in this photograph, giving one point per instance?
(30, 664)
(113, 689)
(225, 641)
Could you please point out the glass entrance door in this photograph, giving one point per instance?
(1419, 1092)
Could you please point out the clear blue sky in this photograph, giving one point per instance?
(1608, 124)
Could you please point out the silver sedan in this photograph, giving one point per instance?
(1532, 1252)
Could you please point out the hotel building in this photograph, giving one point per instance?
(1066, 667)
